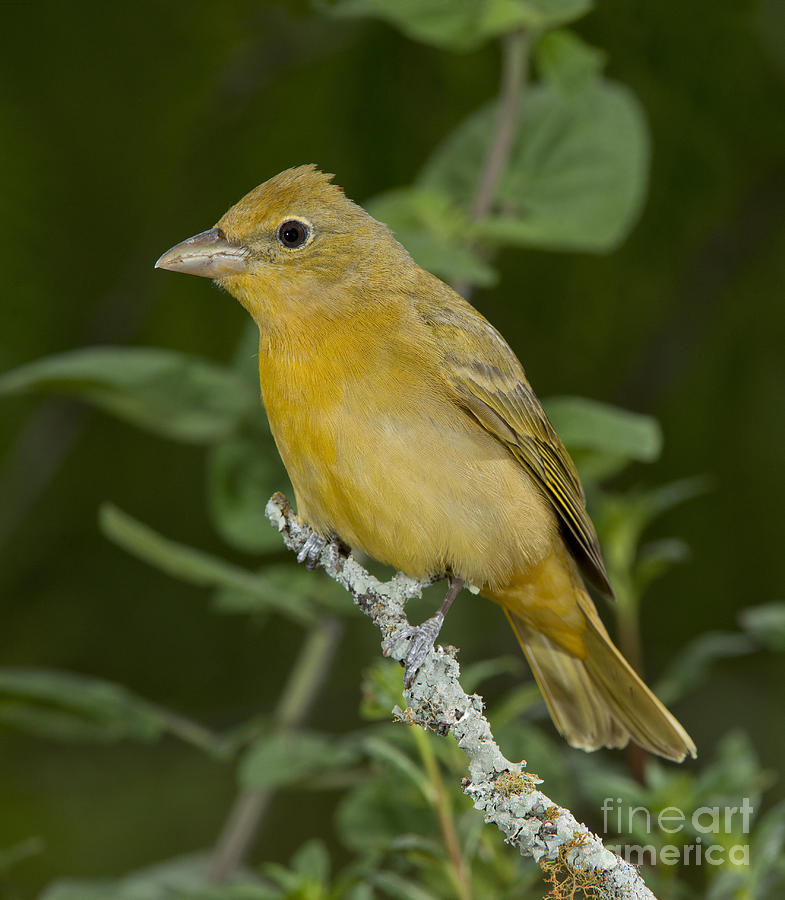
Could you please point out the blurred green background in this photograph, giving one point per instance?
(126, 128)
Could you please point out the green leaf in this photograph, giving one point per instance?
(767, 857)
(280, 759)
(542, 14)
(171, 394)
(460, 24)
(312, 862)
(693, 665)
(433, 230)
(242, 473)
(378, 812)
(597, 780)
(474, 674)
(622, 518)
(98, 889)
(361, 891)
(194, 566)
(588, 424)
(288, 583)
(19, 852)
(278, 580)
(240, 890)
(766, 624)
(734, 773)
(308, 875)
(72, 707)
(395, 759)
(764, 877)
(566, 62)
(381, 690)
(661, 499)
(656, 558)
(395, 885)
(181, 878)
(595, 467)
(287, 882)
(517, 702)
(577, 174)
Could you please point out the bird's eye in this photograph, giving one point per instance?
(292, 233)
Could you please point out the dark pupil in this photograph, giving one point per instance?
(292, 235)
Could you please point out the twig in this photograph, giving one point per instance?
(305, 680)
(515, 54)
(440, 801)
(501, 789)
(515, 51)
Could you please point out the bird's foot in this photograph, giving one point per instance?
(422, 637)
(311, 552)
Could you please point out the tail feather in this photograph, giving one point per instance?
(597, 699)
(568, 692)
(633, 705)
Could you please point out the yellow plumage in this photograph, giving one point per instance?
(409, 430)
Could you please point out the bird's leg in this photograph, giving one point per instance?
(423, 636)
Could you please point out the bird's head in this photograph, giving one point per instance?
(294, 242)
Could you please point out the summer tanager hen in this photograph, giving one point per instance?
(409, 430)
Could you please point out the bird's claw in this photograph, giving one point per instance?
(311, 552)
(422, 639)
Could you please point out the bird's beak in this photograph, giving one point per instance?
(208, 254)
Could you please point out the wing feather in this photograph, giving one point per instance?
(490, 384)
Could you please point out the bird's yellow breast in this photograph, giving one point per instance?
(379, 455)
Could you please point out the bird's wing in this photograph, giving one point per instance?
(489, 383)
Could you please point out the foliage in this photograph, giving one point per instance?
(168, 393)
(464, 24)
(575, 179)
(577, 173)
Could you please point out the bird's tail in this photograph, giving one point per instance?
(594, 696)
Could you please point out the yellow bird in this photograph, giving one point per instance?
(409, 430)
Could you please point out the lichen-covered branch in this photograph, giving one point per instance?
(571, 857)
